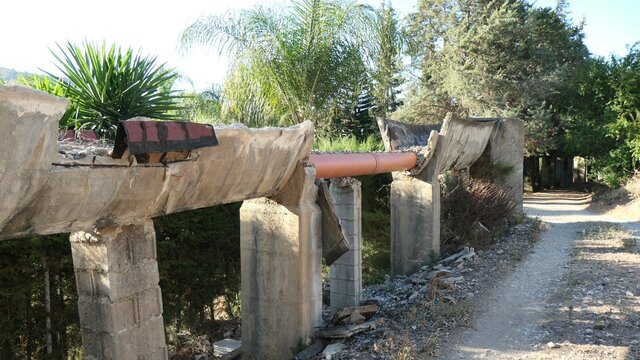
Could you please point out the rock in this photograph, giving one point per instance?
(227, 349)
(414, 296)
(346, 331)
(480, 232)
(464, 257)
(310, 351)
(629, 294)
(439, 273)
(552, 345)
(331, 350)
(356, 318)
(469, 295)
(452, 280)
(365, 311)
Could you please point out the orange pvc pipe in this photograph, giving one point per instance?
(341, 165)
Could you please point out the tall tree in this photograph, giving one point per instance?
(287, 63)
(496, 58)
(387, 60)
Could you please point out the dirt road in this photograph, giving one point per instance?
(537, 312)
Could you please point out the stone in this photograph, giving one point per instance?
(480, 232)
(227, 349)
(356, 318)
(346, 331)
(310, 351)
(367, 311)
(332, 350)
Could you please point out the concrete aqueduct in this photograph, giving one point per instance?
(107, 205)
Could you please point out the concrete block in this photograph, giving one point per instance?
(102, 315)
(345, 272)
(113, 249)
(345, 287)
(120, 302)
(116, 285)
(146, 341)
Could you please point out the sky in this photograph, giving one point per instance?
(29, 28)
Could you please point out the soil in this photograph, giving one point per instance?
(574, 297)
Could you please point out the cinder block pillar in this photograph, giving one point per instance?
(120, 303)
(281, 255)
(415, 222)
(346, 272)
(507, 146)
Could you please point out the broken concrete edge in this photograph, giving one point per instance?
(334, 241)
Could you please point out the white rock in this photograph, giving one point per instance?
(332, 349)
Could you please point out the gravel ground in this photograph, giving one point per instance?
(524, 316)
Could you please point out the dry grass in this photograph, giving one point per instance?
(622, 203)
(464, 203)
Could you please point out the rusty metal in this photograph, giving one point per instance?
(347, 164)
(140, 136)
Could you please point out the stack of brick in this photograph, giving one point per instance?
(120, 302)
(345, 277)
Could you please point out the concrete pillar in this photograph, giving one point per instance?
(345, 275)
(415, 222)
(507, 147)
(119, 299)
(281, 256)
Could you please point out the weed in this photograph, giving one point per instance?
(444, 313)
(430, 347)
(570, 313)
(629, 244)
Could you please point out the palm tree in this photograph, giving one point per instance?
(288, 64)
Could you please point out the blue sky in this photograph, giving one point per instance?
(30, 27)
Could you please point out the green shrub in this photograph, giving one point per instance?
(108, 85)
(371, 143)
(199, 262)
(55, 87)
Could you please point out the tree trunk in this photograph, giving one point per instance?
(47, 308)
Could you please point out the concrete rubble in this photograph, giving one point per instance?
(428, 284)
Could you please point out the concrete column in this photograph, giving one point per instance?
(346, 272)
(119, 301)
(507, 146)
(281, 256)
(415, 222)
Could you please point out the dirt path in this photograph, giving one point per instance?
(513, 319)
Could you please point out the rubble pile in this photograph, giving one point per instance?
(386, 301)
(77, 149)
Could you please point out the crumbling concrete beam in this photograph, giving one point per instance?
(43, 193)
